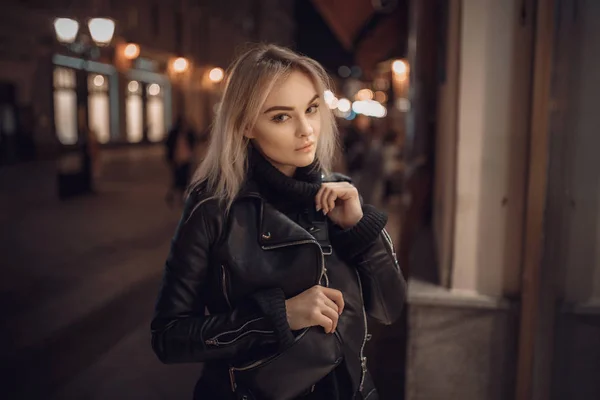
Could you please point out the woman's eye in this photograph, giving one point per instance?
(312, 109)
(280, 118)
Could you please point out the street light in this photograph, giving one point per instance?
(102, 30)
(66, 29)
(180, 65)
(216, 75)
(132, 51)
(87, 46)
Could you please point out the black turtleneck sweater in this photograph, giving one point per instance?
(295, 197)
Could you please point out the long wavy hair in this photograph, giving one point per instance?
(251, 77)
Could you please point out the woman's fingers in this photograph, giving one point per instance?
(332, 191)
(318, 204)
(329, 303)
(332, 315)
(330, 200)
(336, 296)
(323, 320)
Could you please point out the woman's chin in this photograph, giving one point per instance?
(305, 160)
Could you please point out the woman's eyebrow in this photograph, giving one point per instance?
(286, 108)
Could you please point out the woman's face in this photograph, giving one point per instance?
(288, 126)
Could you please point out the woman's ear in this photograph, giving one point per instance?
(249, 133)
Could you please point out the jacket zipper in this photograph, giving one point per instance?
(323, 274)
(390, 243)
(215, 342)
(215, 339)
(363, 359)
(224, 286)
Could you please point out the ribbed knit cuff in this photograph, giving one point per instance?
(360, 237)
(272, 304)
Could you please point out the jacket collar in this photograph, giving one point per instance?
(274, 227)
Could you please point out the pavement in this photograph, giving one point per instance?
(79, 281)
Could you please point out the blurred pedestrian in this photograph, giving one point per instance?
(275, 263)
(356, 142)
(93, 148)
(370, 178)
(180, 154)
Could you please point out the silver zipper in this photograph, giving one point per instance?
(215, 339)
(388, 238)
(224, 286)
(363, 359)
(216, 342)
(390, 243)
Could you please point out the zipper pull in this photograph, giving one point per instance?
(211, 342)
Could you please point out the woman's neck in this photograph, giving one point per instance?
(300, 186)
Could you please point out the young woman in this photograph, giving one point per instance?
(275, 263)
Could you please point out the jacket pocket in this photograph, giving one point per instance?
(232, 336)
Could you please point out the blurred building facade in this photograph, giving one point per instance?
(511, 309)
(133, 94)
(501, 166)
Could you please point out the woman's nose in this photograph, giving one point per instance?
(305, 128)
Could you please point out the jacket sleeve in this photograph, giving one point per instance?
(181, 332)
(383, 285)
(369, 247)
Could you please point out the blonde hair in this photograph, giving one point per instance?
(250, 79)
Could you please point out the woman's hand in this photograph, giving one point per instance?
(340, 202)
(317, 306)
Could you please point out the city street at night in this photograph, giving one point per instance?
(82, 278)
(417, 179)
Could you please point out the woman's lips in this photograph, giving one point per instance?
(306, 148)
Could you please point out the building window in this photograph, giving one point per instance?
(155, 110)
(134, 112)
(65, 105)
(99, 108)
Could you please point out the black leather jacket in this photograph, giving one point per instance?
(217, 264)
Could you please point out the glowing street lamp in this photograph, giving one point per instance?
(132, 51)
(66, 29)
(180, 65)
(102, 30)
(87, 46)
(216, 75)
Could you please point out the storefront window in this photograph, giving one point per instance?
(155, 110)
(65, 105)
(99, 109)
(134, 112)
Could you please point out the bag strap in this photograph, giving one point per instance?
(320, 230)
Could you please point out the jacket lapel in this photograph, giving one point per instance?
(275, 228)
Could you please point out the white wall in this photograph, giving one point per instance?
(445, 149)
(495, 60)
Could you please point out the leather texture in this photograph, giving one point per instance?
(218, 261)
